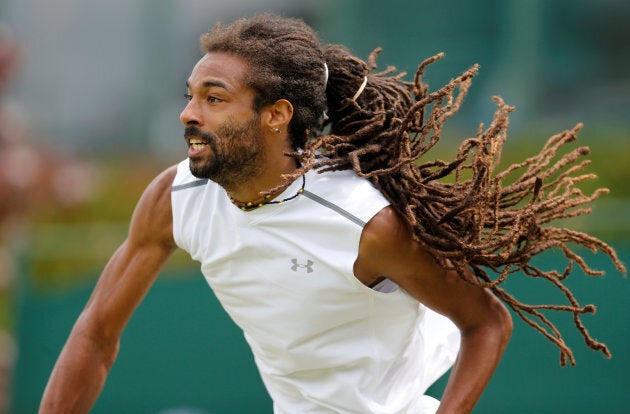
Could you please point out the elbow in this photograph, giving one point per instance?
(501, 323)
(506, 324)
(494, 328)
(97, 341)
(109, 354)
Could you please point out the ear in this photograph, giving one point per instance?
(278, 115)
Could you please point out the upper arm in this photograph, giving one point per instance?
(134, 266)
(387, 249)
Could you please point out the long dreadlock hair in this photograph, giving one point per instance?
(474, 220)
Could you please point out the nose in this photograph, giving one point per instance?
(190, 115)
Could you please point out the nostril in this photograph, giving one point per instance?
(191, 114)
(188, 118)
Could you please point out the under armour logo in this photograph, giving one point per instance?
(308, 266)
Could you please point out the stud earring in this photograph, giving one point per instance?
(276, 130)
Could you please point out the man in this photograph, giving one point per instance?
(338, 298)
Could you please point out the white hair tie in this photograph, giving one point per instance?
(360, 90)
(325, 115)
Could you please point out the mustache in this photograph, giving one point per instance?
(193, 131)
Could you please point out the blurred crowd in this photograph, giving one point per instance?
(32, 177)
(16, 186)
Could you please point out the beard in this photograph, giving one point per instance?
(237, 153)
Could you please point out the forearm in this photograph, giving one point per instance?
(78, 376)
(480, 352)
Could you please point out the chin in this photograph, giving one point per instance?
(199, 168)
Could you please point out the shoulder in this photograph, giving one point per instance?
(152, 218)
(385, 231)
(158, 192)
(388, 248)
(385, 243)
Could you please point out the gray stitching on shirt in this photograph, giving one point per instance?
(191, 184)
(334, 207)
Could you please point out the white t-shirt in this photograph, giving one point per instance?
(323, 342)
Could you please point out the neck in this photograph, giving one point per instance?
(250, 192)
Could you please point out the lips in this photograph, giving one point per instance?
(196, 146)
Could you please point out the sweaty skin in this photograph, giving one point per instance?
(218, 95)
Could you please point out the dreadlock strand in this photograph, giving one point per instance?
(555, 337)
(479, 221)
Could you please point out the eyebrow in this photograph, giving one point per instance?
(210, 84)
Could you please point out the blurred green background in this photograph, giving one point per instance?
(90, 94)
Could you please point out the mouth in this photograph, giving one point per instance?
(197, 144)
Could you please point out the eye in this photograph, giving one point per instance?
(188, 97)
(213, 99)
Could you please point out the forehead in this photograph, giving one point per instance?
(220, 68)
